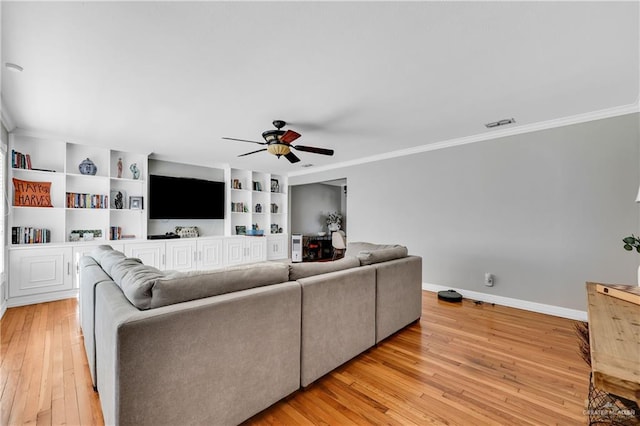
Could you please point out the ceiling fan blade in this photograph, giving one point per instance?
(244, 140)
(289, 136)
(313, 149)
(292, 157)
(252, 152)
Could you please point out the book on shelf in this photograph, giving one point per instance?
(20, 160)
(87, 201)
(30, 235)
(116, 233)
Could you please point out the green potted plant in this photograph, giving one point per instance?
(630, 243)
(333, 221)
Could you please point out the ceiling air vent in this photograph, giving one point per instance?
(500, 123)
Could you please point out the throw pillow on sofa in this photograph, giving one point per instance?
(369, 253)
(308, 269)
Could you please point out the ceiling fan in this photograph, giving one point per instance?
(278, 143)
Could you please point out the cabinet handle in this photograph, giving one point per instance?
(163, 260)
(195, 256)
(68, 268)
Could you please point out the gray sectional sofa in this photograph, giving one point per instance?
(216, 347)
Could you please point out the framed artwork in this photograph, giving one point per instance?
(241, 230)
(135, 203)
(275, 185)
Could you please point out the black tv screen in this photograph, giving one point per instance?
(185, 198)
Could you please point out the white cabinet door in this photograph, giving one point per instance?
(277, 247)
(152, 254)
(40, 270)
(256, 249)
(234, 250)
(210, 253)
(181, 255)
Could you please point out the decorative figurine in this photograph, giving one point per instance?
(135, 170)
(119, 202)
(87, 167)
(119, 168)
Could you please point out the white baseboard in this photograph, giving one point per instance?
(41, 298)
(3, 309)
(542, 308)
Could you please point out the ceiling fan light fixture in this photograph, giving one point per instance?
(278, 149)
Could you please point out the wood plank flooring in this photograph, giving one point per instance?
(460, 364)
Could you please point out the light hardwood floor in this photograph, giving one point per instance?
(460, 364)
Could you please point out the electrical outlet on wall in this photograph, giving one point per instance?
(488, 279)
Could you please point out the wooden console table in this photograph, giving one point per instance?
(614, 335)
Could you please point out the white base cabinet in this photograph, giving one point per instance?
(150, 253)
(40, 271)
(239, 250)
(41, 274)
(194, 254)
(277, 247)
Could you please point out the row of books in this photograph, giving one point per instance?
(239, 208)
(20, 160)
(87, 201)
(115, 233)
(30, 235)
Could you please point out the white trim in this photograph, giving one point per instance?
(542, 308)
(3, 309)
(489, 135)
(41, 298)
(6, 117)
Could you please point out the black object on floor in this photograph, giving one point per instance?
(450, 296)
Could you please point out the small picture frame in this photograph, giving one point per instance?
(275, 185)
(136, 202)
(241, 230)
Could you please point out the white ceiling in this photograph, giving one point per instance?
(362, 78)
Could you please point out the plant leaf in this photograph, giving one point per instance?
(628, 247)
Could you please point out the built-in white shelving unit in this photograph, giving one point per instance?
(48, 271)
(257, 198)
(58, 163)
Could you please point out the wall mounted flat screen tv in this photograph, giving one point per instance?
(185, 198)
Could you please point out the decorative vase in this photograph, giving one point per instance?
(119, 168)
(87, 167)
(333, 227)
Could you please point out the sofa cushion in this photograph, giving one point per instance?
(136, 281)
(178, 287)
(369, 253)
(308, 269)
(100, 251)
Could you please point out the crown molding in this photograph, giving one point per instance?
(495, 134)
(8, 122)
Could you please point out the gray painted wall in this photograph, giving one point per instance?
(543, 211)
(310, 205)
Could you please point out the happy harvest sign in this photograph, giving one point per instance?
(31, 194)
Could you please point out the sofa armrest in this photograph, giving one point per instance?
(217, 360)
